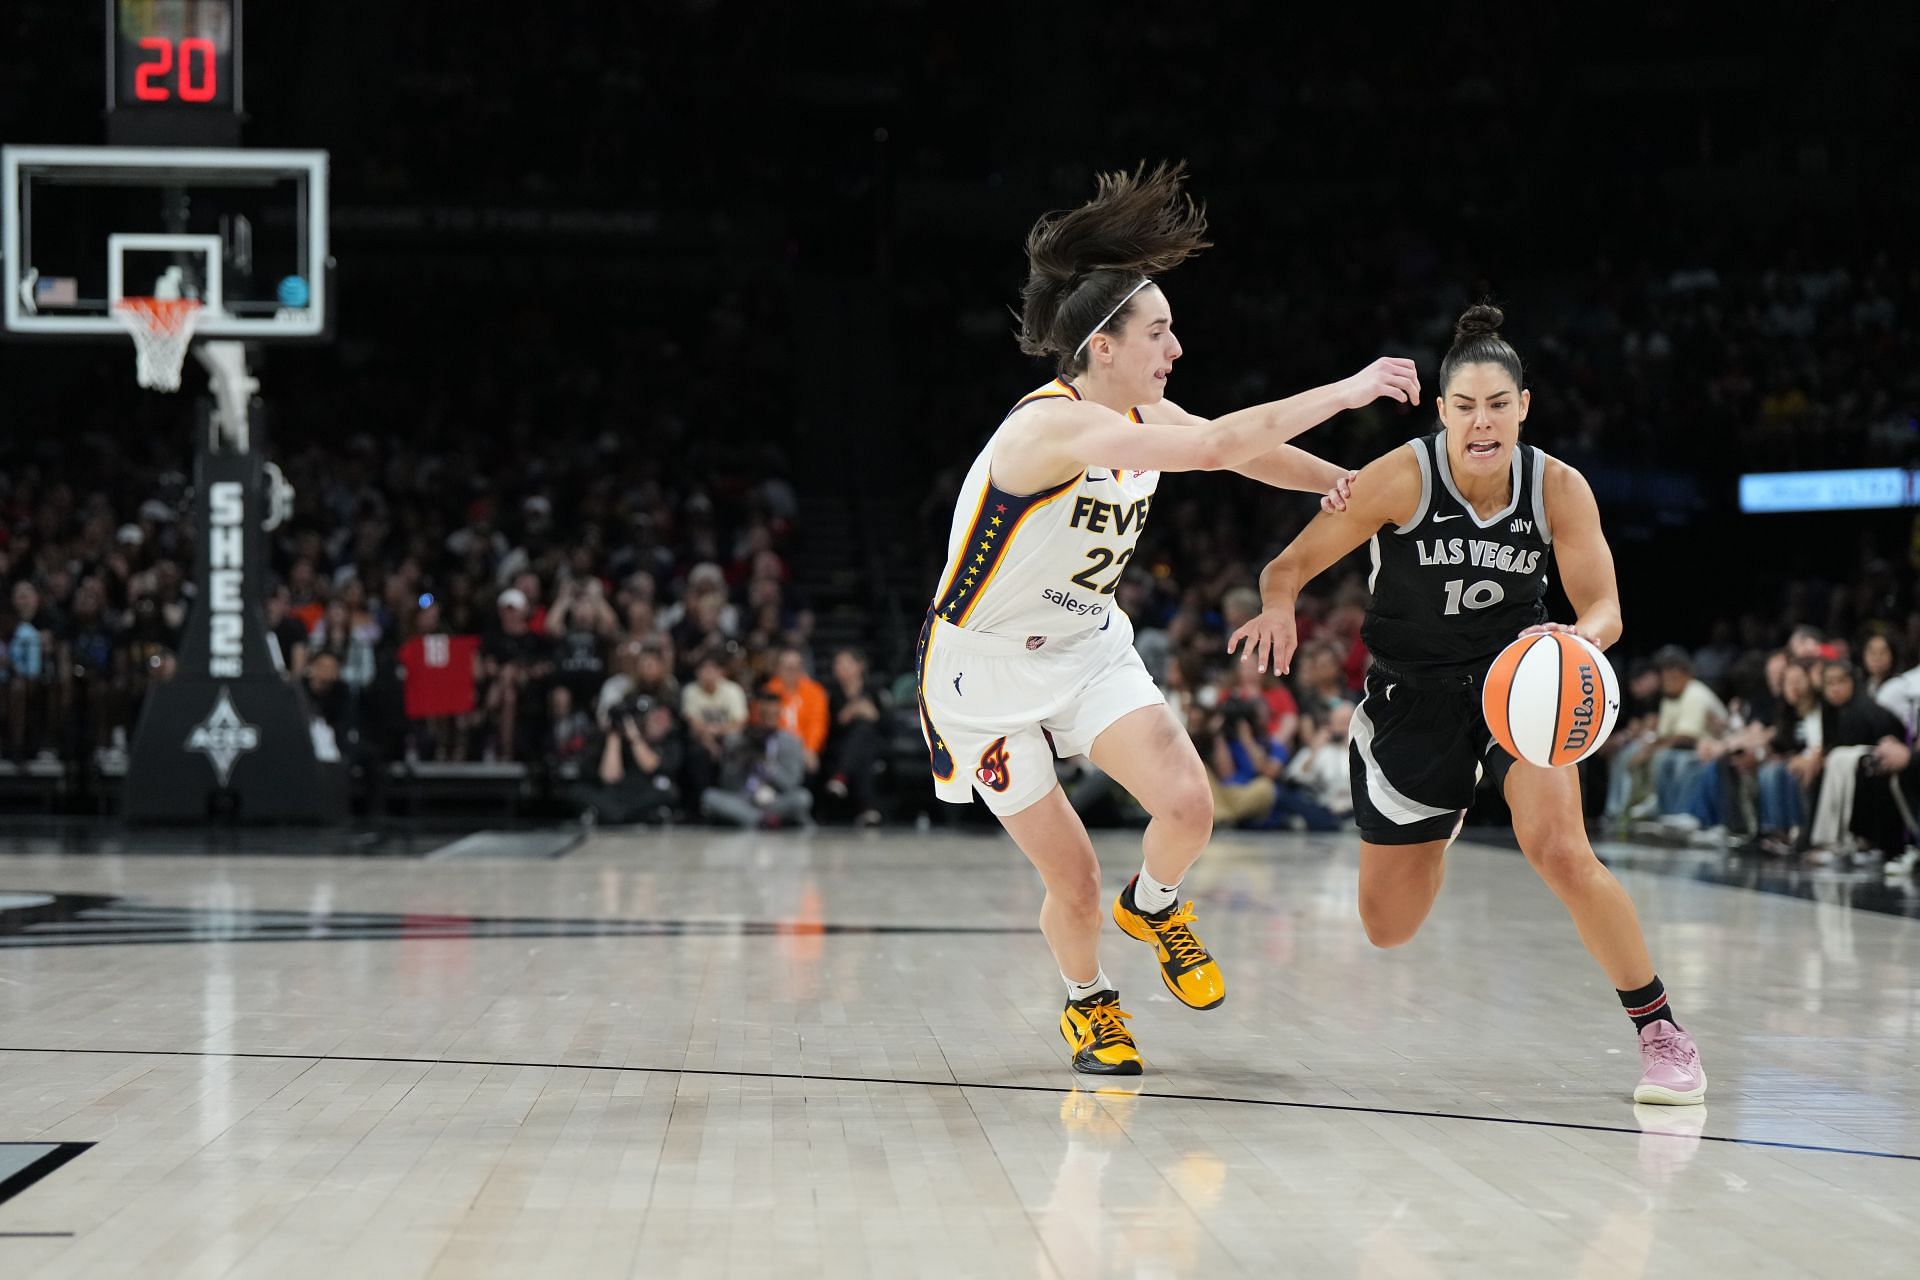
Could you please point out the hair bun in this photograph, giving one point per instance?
(1479, 321)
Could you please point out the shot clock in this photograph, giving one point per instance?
(98, 240)
(173, 71)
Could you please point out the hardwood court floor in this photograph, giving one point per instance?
(698, 1054)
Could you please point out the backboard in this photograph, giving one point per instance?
(243, 232)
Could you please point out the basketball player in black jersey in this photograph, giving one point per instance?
(1462, 524)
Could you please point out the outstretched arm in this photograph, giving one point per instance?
(1066, 436)
(1386, 492)
(1287, 467)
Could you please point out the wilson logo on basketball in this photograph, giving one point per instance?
(1550, 699)
(993, 771)
(1582, 727)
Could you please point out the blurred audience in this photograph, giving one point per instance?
(763, 774)
(856, 736)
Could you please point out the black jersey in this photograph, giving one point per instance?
(1450, 589)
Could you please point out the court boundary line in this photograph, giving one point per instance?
(1353, 1108)
(63, 1153)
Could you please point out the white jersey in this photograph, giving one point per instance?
(1047, 563)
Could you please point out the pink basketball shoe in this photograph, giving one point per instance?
(1672, 1074)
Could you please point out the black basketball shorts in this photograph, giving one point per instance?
(1417, 755)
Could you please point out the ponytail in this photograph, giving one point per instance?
(1084, 265)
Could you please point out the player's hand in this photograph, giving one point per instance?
(1392, 376)
(1547, 628)
(1270, 639)
(1335, 499)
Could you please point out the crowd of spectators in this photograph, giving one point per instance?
(667, 672)
(1806, 749)
(647, 650)
(603, 598)
(617, 614)
(632, 623)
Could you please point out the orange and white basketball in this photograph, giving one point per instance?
(1551, 699)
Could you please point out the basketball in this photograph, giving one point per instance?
(1551, 699)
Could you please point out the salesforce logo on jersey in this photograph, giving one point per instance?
(1073, 604)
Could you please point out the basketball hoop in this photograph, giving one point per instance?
(162, 329)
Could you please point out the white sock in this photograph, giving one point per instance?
(1150, 895)
(1081, 990)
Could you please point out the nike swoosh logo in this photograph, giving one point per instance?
(1438, 519)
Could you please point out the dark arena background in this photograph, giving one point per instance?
(514, 617)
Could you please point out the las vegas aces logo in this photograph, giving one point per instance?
(993, 771)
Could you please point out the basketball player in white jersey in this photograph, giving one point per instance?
(1462, 524)
(1025, 656)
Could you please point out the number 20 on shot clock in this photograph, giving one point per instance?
(173, 54)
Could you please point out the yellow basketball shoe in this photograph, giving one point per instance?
(1096, 1030)
(1185, 966)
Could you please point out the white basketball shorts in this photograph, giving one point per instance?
(998, 710)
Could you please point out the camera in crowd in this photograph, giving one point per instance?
(632, 710)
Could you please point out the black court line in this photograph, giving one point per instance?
(1347, 1108)
(664, 929)
(36, 1235)
(56, 919)
(22, 1179)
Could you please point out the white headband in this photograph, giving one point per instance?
(1144, 282)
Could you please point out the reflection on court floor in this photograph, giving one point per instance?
(691, 1054)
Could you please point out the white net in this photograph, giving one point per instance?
(162, 330)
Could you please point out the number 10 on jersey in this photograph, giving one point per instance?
(1480, 595)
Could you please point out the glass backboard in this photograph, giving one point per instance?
(243, 232)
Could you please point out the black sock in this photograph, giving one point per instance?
(1648, 1004)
